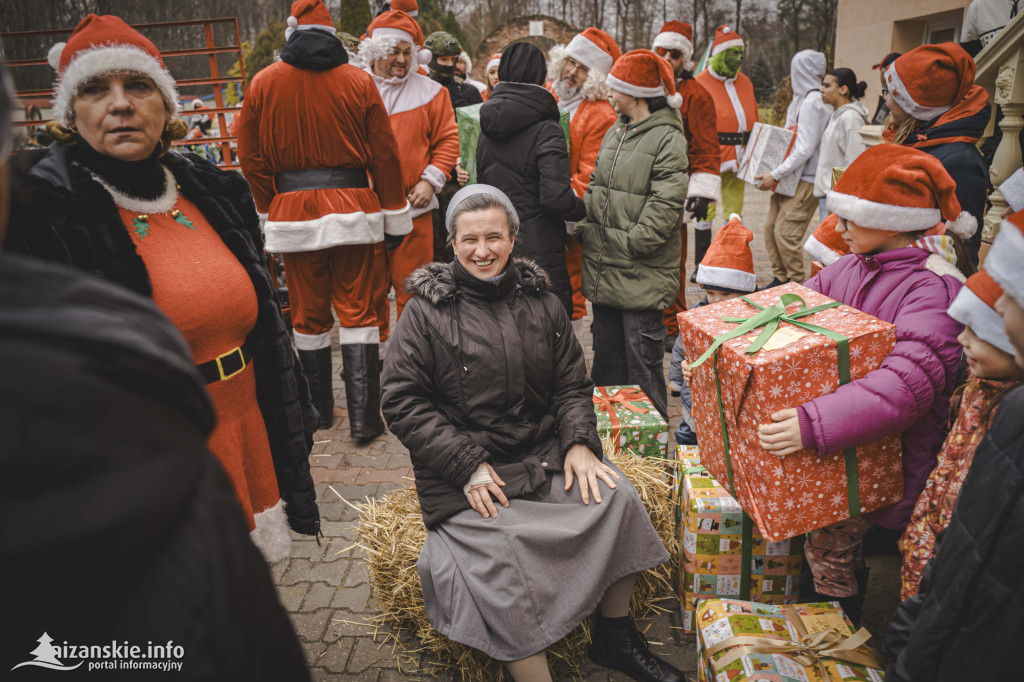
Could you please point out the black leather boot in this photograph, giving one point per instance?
(701, 242)
(316, 367)
(360, 370)
(617, 644)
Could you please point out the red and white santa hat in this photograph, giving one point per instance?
(309, 15)
(729, 264)
(1005, 258)
(676, 35)
(1012, 190)
(825, 245)
(102, 45)
(929, 80)
(641, 73)
(387, 30)
(594, 49)
(975, 306)
(890, 187)
(493, 62)
(410, 7)
(725, 38)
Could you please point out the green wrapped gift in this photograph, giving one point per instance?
(629, 418)
(469, 134)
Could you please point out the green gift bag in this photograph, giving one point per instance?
(468, 119)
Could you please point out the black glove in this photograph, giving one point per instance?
(391, 241)
(698, 206)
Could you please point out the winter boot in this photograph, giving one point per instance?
(701, 242)
(617, 644)
(316, 367)
(361, 372)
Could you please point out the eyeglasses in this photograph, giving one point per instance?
(575, 65)
(665, 52)
(885, 93)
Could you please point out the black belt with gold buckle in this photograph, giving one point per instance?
(225, 366)
(733, 139)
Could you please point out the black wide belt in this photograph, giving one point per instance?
(320, 178)
(733, 139)
(225, 366)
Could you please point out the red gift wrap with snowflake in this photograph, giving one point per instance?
(801, 345)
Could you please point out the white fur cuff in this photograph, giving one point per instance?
(435, 176)
(398, 221)
(271, 534)
(707, 185)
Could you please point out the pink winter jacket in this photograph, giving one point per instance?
(910, 392)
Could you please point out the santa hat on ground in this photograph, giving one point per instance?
(100, 45)
(975, 306)
(1005, 257)
(641, 73)
(729, 264)
(825, 245)
(725, 38)
(309, 15)
(410, 7)
(493, 62)
(386, 31)
(929, 80)
(1012, 190)
(594, 49)
(676, 35)
(890, 187)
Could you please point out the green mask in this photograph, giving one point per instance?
(727, 63)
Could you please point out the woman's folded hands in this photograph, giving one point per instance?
(484, 483)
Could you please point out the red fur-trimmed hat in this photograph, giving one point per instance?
(975, 306)
(890, 187)
(929, 80)
(494, 61)
(676, 35)
(641, 73)
(826, 245)
(725, 38)
(729, 264)
(594, 49)
(410, 7)
(309, 15)
(1005, 258)
(387, 30)
(102, 45)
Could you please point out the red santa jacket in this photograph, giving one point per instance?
(297, 119)
(700, 125)
(423, 121)
(587, 128)
(735, 107)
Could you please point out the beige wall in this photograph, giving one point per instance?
(867, 30)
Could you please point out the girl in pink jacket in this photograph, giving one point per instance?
(902, 268)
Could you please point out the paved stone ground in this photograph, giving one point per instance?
(325, 589)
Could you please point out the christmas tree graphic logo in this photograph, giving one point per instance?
(46, 656)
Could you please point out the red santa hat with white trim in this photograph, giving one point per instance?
(594, 49)
(975, 306)
(1012, 190)
(102, 45)
(410, 7)
(493, 62)
(387, 30)
(725, 38)
(825, 245)
(929, 80)
(1006, 257)
(641, 73)
(729, 264)
(890, 187)
(676, 35)
(309, 15)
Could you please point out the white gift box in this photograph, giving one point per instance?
(767, 149)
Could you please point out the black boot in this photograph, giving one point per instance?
(316, 367)
(617, 644)
(701, 242)
(360, 370)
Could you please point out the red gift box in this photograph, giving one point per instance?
(783, 357)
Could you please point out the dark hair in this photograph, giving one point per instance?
(656, 103)
(846, 77)
(964, 263)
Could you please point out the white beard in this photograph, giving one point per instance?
(563, 92)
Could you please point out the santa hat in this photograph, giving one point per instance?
(890, 187)
(387, 30)
(1005, 257)
(469, 62)
(725, 38)
(594, 49)
(100, 45)
(929, 80)
(676, 35)
(825, 245)
(729, 264)
(309, 15)
(975, 306)
(493, 62)
(641, 73)
(1012, 190)
(410, 7)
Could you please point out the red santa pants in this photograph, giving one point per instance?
(678, 305)
(416, 249)
(574, 264)
(342, 276)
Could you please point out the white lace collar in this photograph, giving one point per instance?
(163, 203)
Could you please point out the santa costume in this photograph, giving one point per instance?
(330, 179)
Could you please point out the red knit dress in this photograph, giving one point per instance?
(200, 285)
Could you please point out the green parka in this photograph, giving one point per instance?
(630, 235)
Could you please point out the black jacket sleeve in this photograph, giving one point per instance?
(556, 193)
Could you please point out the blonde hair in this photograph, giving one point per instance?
(904, 129)
(175, 129)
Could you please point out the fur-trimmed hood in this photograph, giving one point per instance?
(594, 88)
(436, 282)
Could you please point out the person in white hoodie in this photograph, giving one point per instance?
(788, 217)
(841, 143)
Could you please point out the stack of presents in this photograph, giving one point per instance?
(742, 513)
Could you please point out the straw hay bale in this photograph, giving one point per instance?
(391, 531)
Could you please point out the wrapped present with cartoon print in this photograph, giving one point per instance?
(721, 552)
(739, 641)
(771, 350)
(627, 416)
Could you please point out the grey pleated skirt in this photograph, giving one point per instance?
(515, 585)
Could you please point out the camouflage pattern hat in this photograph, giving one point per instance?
(442, 44)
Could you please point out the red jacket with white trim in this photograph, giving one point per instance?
(700, 125)
(736, 108)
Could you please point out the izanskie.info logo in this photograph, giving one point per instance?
(113, 656)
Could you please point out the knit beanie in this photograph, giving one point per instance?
(825, 245)
(1006, 257)
(975, 306)
(641, 73)
(725, 38)
(729, 264)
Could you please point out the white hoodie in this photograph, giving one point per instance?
(808, 113)
(840, 144)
